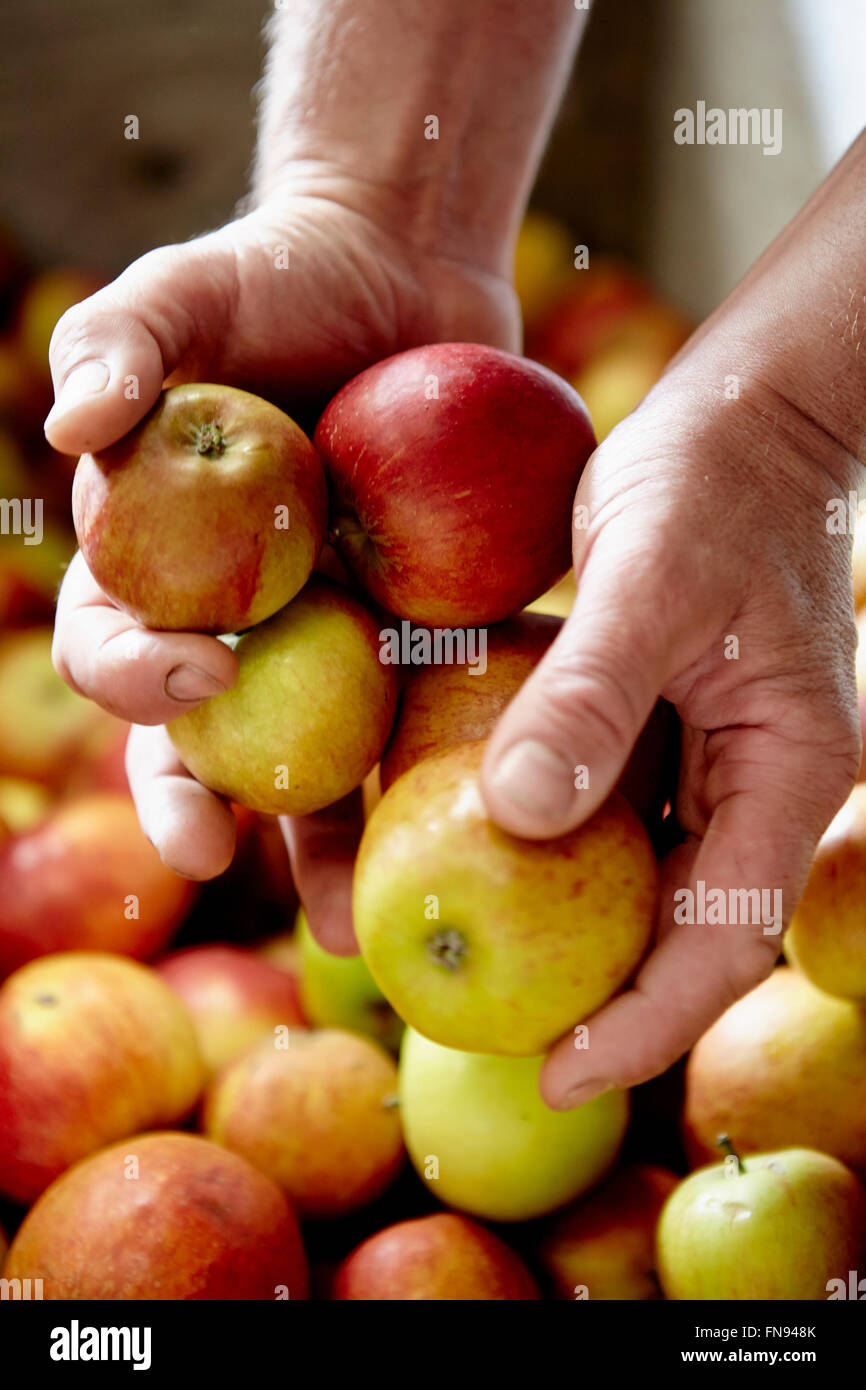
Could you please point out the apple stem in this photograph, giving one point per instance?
(726, 1145)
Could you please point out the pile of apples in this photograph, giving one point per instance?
(199, 1102)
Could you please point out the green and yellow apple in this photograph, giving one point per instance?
(309, 714)
(208, 516)
(775, 1226)
(162, 1216)
(93, 1047)
(483, 1141)
(434, 1258)
(317, 1112)
(434, 507)
(340, 992)
(827, 935)
(488, 943)
(603, 1248)
(783, 1067)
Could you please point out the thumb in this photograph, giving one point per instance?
(560, 746)
(110, 354)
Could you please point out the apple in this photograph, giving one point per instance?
(784, 1066)
(603, 1247)
(778, 1226)
(440, 1257)
(340, 992)
(93, 1047)
(208, 516)
(162, 1216)
(543, 265)
(43, 724)
(485, 942)
(858, 562)
(827, 935)
(452, 470)
(318, 1115)
(234, 999)
(443, 705)
(615, 383)
(85, 878)
(308, 716)
(581, 320)
(558, 601)
(483, 1141)
(23, 804)
(44, 301)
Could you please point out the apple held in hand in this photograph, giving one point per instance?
(775, 1226)
(827, 935)
(604, 1247)
(489, 943)
(208, 516)
(483, 1140)
(162, 1216)
(452, 470)
(317, 1114)
(92, 1047)
(340, 992)
(234, 999)
(784, 1066)
(444, 1256)
(86, 879)
(308, 716)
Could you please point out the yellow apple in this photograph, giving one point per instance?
(827, 935)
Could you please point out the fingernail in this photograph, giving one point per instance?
(188, 682)
(586, 1091)
(535, 778)
(87, 379)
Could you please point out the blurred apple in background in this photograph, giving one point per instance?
(433, 505)
(208, 516)
(778, 1226)
(309, 714)
(162, 1216)
(340, 992)
(46, 298)
(543, 265)
(43, 724)
(234, 999)
(827, 935)
(784, 1066)
(23, 804)
(433, 1258)
(482, 1139)
(605, 1244)
(92, 1047)
(584, 319)
(486, 942)
(85, 878)
(318, 1115)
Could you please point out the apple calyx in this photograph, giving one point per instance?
(726, 1145)
(447, 948)
(209, 439)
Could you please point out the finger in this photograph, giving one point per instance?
(759, 843)
(142, 676)
(562, 743)
(110, 354)
(322, 850)
(193, 829)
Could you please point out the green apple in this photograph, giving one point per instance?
(777, 1226)
(485, 942)
(827, 935)
(340, 992)
(785, 1066)
(308, 715)
(483, 1140)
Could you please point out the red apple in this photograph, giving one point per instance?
(439, 1257)
(234, 999)
(93, 1047)
(43, 724)
(452, 470)
(208, 516)
(604, 1246)
(162, 1216)
(86, 878)
(318, 1115)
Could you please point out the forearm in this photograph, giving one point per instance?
(350, 87)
